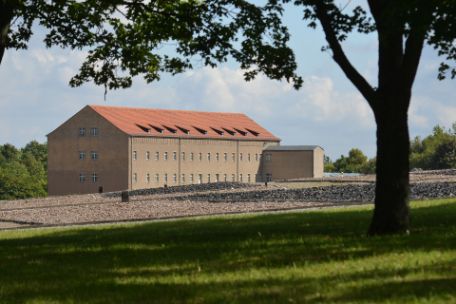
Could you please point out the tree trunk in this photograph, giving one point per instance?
(391, 213)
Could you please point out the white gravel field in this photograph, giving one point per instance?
(104, 208)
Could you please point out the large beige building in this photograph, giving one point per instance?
(105, 148)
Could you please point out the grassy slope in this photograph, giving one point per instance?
(281, 258)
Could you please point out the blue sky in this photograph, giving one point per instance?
(328, 111)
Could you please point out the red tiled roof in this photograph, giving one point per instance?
(183, 124)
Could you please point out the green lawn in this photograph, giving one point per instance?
(307, 257)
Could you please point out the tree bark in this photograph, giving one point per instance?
(391, 213)
(6, 16)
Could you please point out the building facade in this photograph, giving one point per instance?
(103, 149)
(292, 162)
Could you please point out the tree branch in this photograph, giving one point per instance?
(414, 46)
(377, 7)
(6, 16)
(341, 59)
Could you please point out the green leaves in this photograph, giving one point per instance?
(356, 162)
(128, 38)
(435, 151)
(124, 39)
(23, 172)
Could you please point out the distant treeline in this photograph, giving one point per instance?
(436, 151)
(23, 171)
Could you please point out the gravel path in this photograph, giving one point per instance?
(117, 212)
(197, 200)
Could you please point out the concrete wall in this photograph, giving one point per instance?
(64, 165)
(318, 160)
(291, 164)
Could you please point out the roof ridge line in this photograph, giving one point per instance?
(160, 109)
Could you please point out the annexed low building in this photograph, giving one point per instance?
(105, 148)
(292, 162)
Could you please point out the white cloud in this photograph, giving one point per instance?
(417, 111)
(327, 111)
(320, 101)
(447, 114)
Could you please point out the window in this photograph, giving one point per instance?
(135, 177)
(174, 155)
(157, 155)
(240, 156)
(225, 178)
(233, 156)
(191, 178)
(248, 178)
(217, 156)
(175, 178)
(201, 156)
(248, 157)
(147, 155)
(267, 157)
(240, 178)
(183, 178)
(94, 177)
(135, 155)
(82, 178)
(94, 155)
(225, 156)
(165, 177)
(94, 131)
(165, 155)
(217, 178)
(82, 131)
(256, 156)
(208, 178)
(157, 178)
(148, 178)
(183, 155)
(209, 156)
(191, 156)
(82, 155)
(233, 177)
(200, 178)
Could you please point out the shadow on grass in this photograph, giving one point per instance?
(262, 258)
